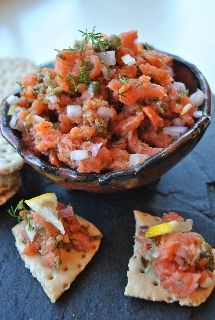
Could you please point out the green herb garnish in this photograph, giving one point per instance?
(83, 78)
(14, 212)
(147, 46)
(123, 79)
(95, 38)
(183, 93)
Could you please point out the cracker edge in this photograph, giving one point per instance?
(39, 271)
(141, 285)
(8, 194)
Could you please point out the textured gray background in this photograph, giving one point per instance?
(97, 293)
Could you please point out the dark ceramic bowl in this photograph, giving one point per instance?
(143, 174)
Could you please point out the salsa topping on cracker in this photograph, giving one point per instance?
(55, 244)
(49, 227)
(175, 263)
(182, 260)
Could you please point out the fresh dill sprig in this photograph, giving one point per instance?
(95, 38)
(183, 93)
(14, 212)
(73, 82)
(123, 79)
(83, 78)
(147, 46)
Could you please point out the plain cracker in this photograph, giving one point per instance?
(56, 281)
(13, 70)
(8, 194)
(7, 182)
(146, 286)
(10, 160)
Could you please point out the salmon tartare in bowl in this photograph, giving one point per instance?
(112, 114)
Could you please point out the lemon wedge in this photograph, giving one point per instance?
(168, 227)
(46, 206)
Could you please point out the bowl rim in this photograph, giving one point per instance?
(105, 178)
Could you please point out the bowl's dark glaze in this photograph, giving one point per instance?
(146, 173)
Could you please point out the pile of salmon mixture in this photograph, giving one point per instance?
(108, 104)
(182, 261)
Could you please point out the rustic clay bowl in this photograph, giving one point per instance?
(143, 174)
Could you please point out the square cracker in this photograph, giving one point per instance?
(12, 70)
(146, 285)
(10, 160)
(8, 194)
(56, 281)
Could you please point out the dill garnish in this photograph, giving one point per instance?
(14, 212)
(95, 38)
(123, 79)
(83, 78)
(183, 93)
(147, 46)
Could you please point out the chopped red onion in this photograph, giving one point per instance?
(137, 158)
(53, 99)
(175, 131)
(197, 114)
(108, 58)
(12, 99)
(145, 227)
(177, 122)
(128, 60)
(197, 98)
(179, 86)
(95, 149)
(78, 155)
(74, 110)
(66, 212)
(105, 112)
(186, 108)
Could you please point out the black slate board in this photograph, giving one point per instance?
(97, 293)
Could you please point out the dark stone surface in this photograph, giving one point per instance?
(97, 293)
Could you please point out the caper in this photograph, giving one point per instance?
(114, 42)
(57, 90)
(95, 87)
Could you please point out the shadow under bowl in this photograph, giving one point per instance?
(143, 174)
